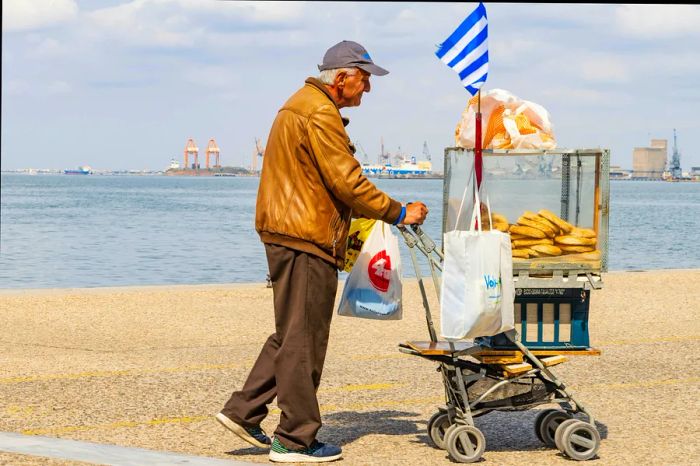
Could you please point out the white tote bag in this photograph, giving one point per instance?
(373, 287)
(477, 280)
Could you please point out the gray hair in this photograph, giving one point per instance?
(328, 76)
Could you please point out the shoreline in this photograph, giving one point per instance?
(238, 285)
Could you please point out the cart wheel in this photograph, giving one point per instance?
(465, 444)
(560, 431)
(437, 426)
(546, 425)
(580, 441)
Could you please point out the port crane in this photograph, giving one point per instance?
(191, 148)
(364, 154)
(258, 152)
(426, 152)
(213, 149)
(675, 168)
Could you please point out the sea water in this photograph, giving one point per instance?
(62, 231)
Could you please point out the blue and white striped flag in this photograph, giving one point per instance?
(466, 51)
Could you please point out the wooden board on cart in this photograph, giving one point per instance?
(490, 356)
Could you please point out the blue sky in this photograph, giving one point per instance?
(123, 84)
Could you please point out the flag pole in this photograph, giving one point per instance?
(478, 163)
(477, 148)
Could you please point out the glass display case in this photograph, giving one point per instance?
(554, 204)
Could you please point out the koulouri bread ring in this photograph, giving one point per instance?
(583, 232)
(563, 224)
(498, 218)
(539, 225)
(519, 243)
(527, 231)
(548, 249)
(566, 248)
(575, 240)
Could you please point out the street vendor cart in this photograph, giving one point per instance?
(531, 192)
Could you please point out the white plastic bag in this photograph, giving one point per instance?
(477, 291)
(508, 122)
(373, 287)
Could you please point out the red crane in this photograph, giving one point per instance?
(212, 148)
(191, 148)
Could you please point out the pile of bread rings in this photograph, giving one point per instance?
(544, 234)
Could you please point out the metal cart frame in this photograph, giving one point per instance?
(477, 379)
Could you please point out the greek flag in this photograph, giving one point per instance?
(466, 51)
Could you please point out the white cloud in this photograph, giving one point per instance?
(16, 87)
(604, 69)
(135, 23)
(58, 88)
(23, 15)
(658, 21)
(47, 47)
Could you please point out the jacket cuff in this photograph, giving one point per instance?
(392, 213)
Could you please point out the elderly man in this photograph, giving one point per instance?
(310, 187)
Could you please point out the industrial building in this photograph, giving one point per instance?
(649, 163)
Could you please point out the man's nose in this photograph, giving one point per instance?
(368, 86)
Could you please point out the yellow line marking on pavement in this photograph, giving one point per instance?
(117, 425)
(641, 383)
(191, 419)
(207, 367)
(649, 341)
(355, 388)
(372, 357)
(119, 373)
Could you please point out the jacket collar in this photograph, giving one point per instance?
(321, 87)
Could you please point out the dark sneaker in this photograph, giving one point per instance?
(317, 453)
(253, 435)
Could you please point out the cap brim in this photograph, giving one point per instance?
(372, 69)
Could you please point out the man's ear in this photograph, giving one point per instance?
(340, 78)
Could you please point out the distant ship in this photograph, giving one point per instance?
(406, 168)
(82, 170)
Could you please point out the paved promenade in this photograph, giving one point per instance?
(149, 367)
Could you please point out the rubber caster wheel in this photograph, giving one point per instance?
(580, 441)
(547, 423)
(465, 444)
(560, 431)
(437, 426)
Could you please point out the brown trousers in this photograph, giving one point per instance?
(291, 361)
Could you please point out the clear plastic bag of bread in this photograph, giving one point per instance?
(507, 123)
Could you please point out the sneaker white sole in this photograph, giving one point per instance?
(301, 458)
(240, 431)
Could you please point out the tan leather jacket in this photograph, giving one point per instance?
(311, 184)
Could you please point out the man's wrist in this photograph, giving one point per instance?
(402, 215)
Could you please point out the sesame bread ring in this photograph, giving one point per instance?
(575, 241)
(521, 253)
(570, 249)
(562, 224)
(540, 226)
(583, 232)
(500, 226)
(527, 231)
(541, 219)
(514, 236)
(547, 249)
(529, 214)
(519, 243)
(498, 218)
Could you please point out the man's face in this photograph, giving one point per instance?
(353, 87)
